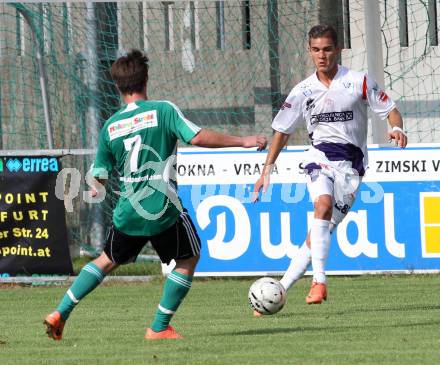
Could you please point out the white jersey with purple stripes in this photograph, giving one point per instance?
(336, 116)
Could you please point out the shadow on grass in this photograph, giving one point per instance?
(401, 308)
(268, 331)
(333, 310)
(329, 311)
(327, 329)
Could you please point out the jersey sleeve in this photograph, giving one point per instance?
(290, 113)
(179, 126)
(380, 103)
(104, 160)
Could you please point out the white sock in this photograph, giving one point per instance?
(320, 245)
(297, 267)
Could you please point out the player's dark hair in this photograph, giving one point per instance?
(130, 72)
(323, 30)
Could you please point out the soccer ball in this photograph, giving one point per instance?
(267, 296)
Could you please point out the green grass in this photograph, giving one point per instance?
(367, 320)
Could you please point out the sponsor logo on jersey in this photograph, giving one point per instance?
(134, 124)
(286, 105)
(329, 103)
(305, 89)
(33, 164)
(349, 86)
(331, 117)
(383, 97)
(310, 104)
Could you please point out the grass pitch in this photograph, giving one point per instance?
(367, 320)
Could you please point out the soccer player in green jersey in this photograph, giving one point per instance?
(139, 141)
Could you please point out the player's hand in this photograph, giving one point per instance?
(257, 187)
(93, 192)
(258, 141)
(262, 182)
(398, 136)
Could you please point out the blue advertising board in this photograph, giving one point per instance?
(393, 226)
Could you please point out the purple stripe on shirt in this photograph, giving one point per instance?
(344, 152)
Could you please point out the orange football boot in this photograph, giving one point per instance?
(257, 314)
(54, 325)
(167, 334)
(318, 293)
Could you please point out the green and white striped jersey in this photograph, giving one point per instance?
(139, 141)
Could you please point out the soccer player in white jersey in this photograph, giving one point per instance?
(333, 103)
(139, 142)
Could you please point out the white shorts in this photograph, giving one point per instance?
(332, 178)
(323, 185)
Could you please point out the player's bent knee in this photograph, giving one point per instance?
(104, 263)
(188, 264)
(323, 210)
(194, 260)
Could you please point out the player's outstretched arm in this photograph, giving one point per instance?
(212, 139)
(396, 123)
(279, 140)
